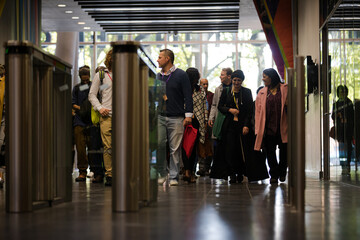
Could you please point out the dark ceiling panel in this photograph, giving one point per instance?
(161, 16)
(346, 16)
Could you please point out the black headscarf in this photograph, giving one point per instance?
(238, 74)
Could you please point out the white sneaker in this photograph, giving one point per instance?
(90, 175)
(174, 182)
(161, 180)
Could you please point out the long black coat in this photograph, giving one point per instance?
(229, 158)
(245, 107)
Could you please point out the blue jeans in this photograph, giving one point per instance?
(170, 129)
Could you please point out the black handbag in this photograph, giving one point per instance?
(256, 166)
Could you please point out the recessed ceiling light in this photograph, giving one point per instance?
(75, 17)
(68, 11)
(81, 23)
(61, 5)
(87, 28)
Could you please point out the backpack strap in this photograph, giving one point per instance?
(101, 76)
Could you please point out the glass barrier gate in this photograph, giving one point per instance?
(131, 128)
(38, 128)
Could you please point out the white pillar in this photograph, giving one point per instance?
(67, 48)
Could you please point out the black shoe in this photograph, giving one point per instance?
(239, 178)
(108, 181)
(232, 179)
(282, 179)
(273, 180)
(98, 179)
(201, 173)
(81, 178)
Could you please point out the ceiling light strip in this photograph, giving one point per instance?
(172, 21)
(162, 9)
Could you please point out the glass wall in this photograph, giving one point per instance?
(344, 99)
(209, 52)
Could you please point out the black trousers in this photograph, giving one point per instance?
(234, 149)
(277, 169)
(95, 150)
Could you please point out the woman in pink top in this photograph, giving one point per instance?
(271, 123)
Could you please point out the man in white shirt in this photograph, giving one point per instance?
(104, 107)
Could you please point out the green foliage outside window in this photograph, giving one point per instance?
(209, 52)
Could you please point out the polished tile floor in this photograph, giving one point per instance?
(209, 209)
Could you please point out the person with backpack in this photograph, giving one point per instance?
(82, 120)
(100, 96)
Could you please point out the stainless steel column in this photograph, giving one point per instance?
(144, 168)
(126, 126)
(19, 126)
(296, 143)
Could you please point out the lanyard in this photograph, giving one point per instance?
(237, 106)
(166, 79)
(235, 102)
(109, 76)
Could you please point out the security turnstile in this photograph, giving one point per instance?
(38, 128)
(130, 124)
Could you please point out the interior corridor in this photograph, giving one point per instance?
(209, 209)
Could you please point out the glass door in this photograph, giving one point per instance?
(344, 100)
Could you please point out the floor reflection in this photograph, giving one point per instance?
(206, 210)
(210, 225)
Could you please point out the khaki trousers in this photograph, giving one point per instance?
(105, 128)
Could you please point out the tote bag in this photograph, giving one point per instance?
(219, 122)
(189, 139)
(218, 125)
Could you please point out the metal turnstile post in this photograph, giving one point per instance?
(126, 127)
(144, 169)
(43, 167)
(19, 127)
(296, 143)
(38, 158)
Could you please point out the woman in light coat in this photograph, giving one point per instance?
(271, 123)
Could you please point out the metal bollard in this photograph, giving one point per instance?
(296, 137)
(300, 134)
(126, 126)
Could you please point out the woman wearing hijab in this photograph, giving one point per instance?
(236, 104)
(271, 123)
